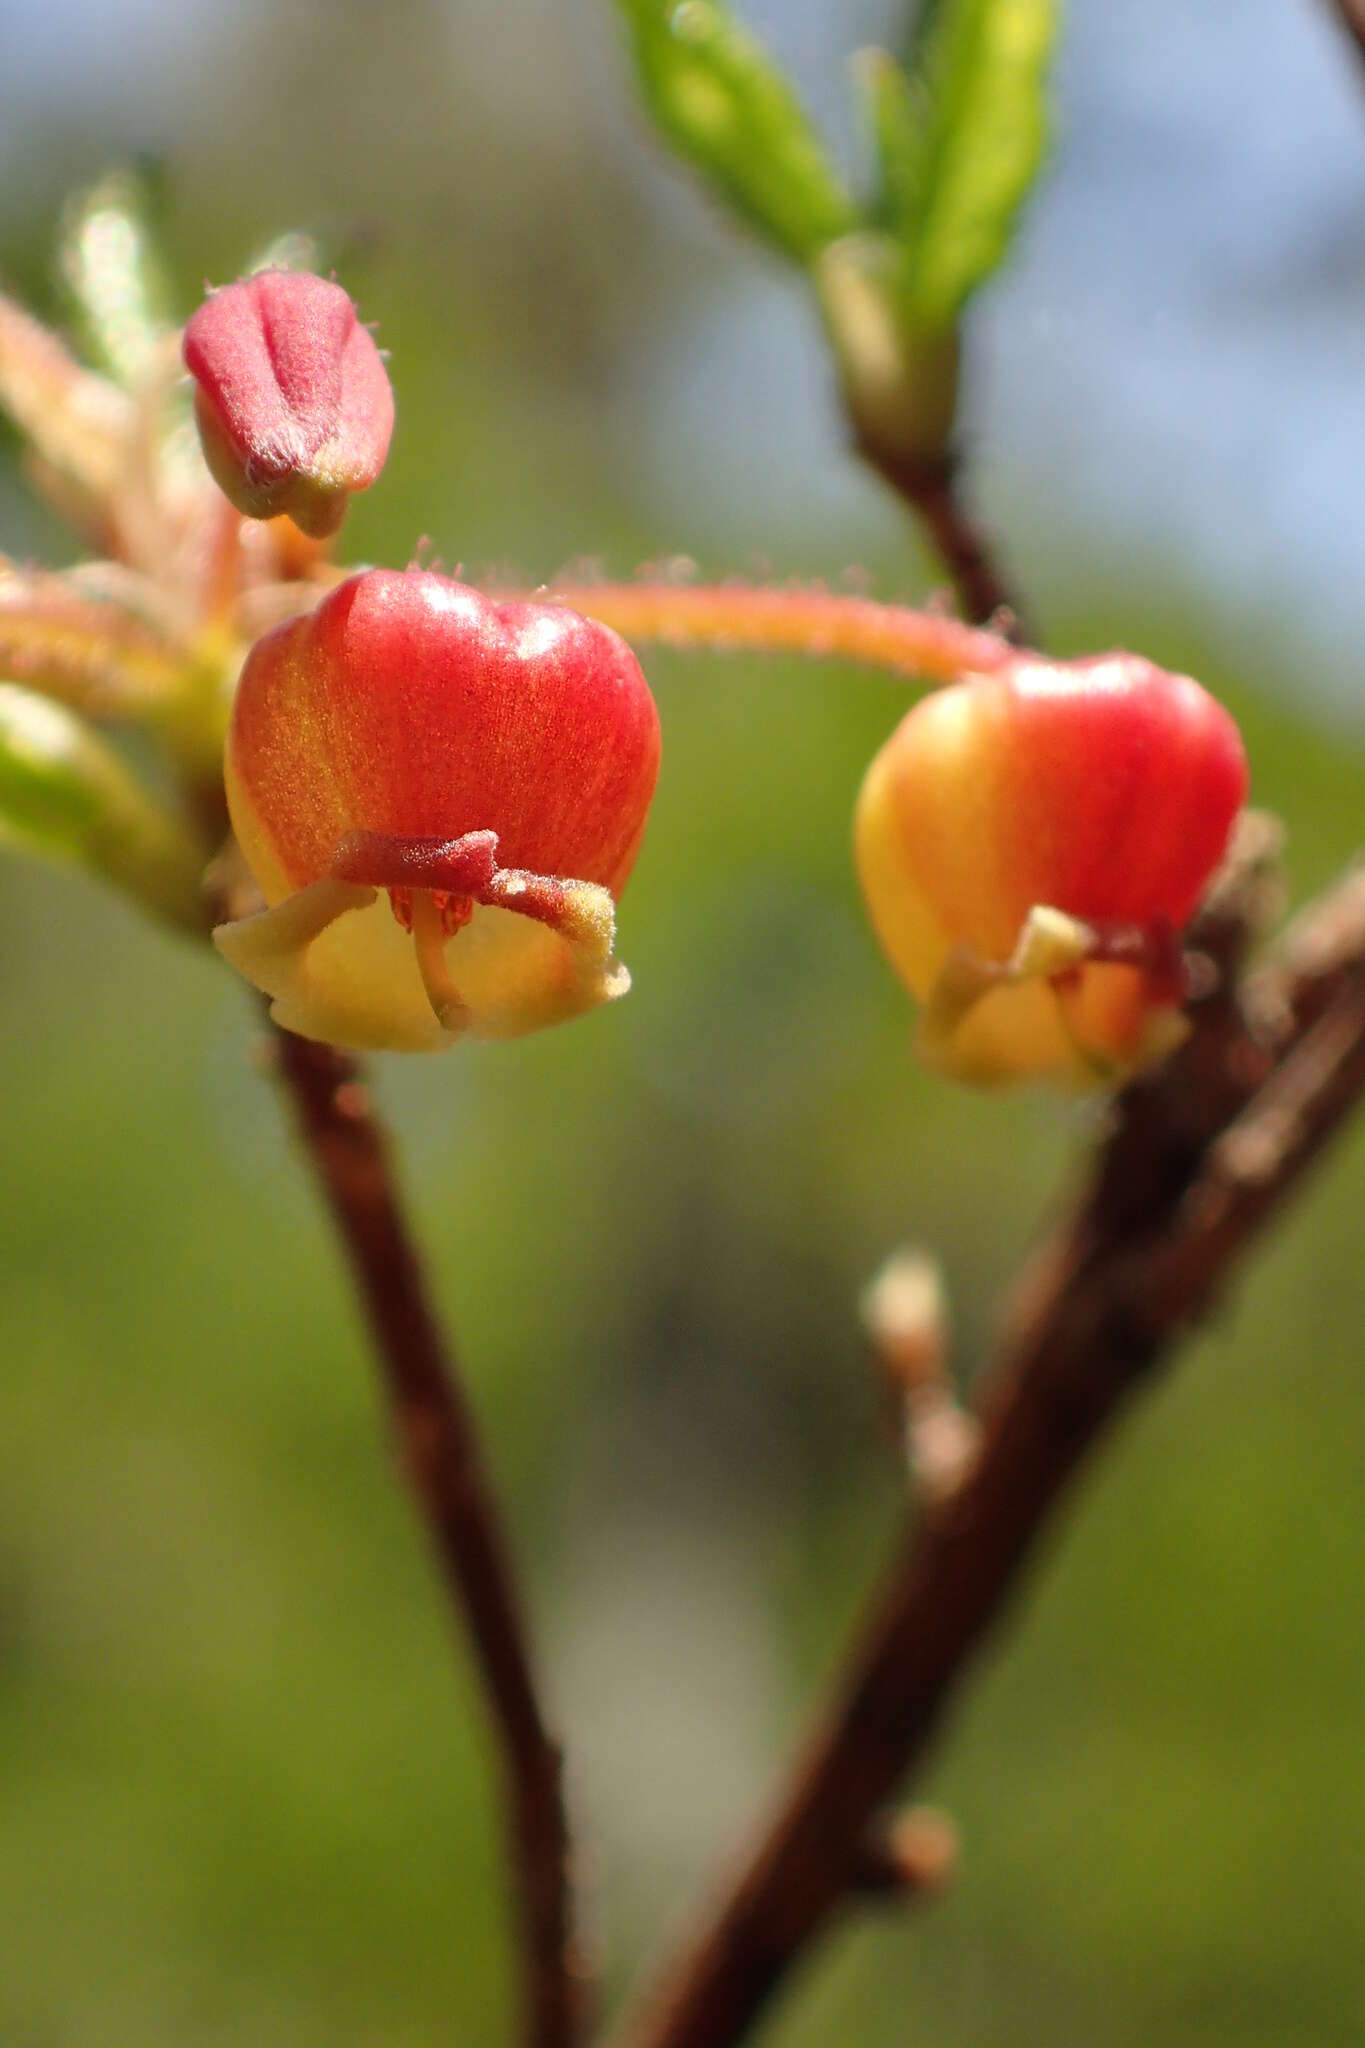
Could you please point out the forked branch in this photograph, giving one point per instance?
(1202, 1154)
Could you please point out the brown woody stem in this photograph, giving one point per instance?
(933, 494)
(1201, 1155)
(1352, 16)
(444, 1465)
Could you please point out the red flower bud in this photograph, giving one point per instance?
(293, 402)
(1030, 843)
(489, 766)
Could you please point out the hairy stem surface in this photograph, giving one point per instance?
(746, 617)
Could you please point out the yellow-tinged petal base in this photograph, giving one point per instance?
(340, 967)
(1092, 1032)
(1044, 1013)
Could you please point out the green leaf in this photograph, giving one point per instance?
(900, 380)
(721, 101)
(67, 796)
(344, 247)
(295, 249)
(112, 266)
(960, 144)
(896, 113)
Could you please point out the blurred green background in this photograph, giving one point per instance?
(244, 1787)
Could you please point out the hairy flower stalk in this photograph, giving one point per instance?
(1031, 844)
(792, 619)
(292, 400)
(440, 798)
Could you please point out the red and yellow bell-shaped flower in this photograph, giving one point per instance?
(440, 798)
(292, 400)
(1031, 843)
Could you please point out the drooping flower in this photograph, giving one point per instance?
(440, 798)
(293, 403)
(1031, 844)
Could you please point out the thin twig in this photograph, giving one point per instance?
(1352, 16)
(439, 1442)
(1202, 1154)
(933, 493)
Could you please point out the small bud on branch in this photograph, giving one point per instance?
(906, 1321)
(900, 384)
(916, 1858)
(905, 1317)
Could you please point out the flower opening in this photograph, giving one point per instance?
(440, 798)
(1030, 844)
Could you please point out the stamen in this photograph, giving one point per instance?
(1155, 949)
(455, 910)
